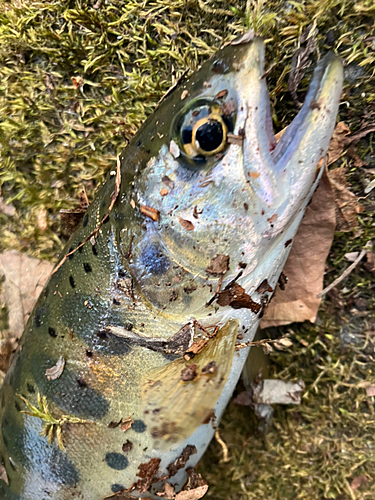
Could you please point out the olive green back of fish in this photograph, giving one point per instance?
(119, 278)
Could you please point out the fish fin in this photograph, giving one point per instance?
(181, 396)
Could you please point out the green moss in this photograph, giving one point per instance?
(55, 137)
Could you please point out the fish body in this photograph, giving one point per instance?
(129, 357)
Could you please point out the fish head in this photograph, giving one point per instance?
(212, 174)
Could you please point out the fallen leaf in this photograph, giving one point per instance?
(305, 264)
(218, 265)
(347, 205)
(41, 220)
(245, 38)
(126, 424)
(56, 371)
(8, 347)
(352, 153)
(236, 297)
(147, 472)
(174, 149)
(186, 224)
(7, 209)
(370, 391)
(370, 262)
(358, 482)
(271, 391)
(195, 494)
(77, 81)
(3, 474)
(351, 256)
(153, 213)
(168, 182)
(23, 280)
(338, 142)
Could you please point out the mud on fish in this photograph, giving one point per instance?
(129, 358)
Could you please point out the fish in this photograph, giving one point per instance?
(139, 337)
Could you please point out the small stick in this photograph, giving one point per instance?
(346, 272)
(223, 446)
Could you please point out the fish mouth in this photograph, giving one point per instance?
(281, 174)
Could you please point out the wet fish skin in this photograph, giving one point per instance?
(119, 309)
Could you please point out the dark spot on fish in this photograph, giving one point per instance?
(246, 206)
(30, 388)
(116, 461)
(116, 302)
(35, 454)
(85, 220)
(89, 354)
(17, 406)
(70, 257)
(116, 488)
(122, 273)
(80, 249)
(106, 219)
(154, 260)
(52, 332)
(139, 426)
(66, 393)
(94, 250)
(87, 267)
(81, 382)
(72, 282)
(287, 243)
(37, 318)
(139, 143)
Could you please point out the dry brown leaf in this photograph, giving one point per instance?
(218, 265)
(370, 391)
(24, 278)
(347, 206)
(305, 265)
(352, 153)
(8, 347)
(195, 494)
(41, 220)
(7, 208)
(126, 423)
(55, 372)
(3, 474)
(153, 213)
(358, 481)
(186, 224)
(338, 142)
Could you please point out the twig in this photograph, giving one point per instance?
(223, 446)
(96, 230)
(346, 272)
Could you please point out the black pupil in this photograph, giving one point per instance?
(210, 135)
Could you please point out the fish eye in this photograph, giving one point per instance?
(201, 130)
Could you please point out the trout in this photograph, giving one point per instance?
(132, 351)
